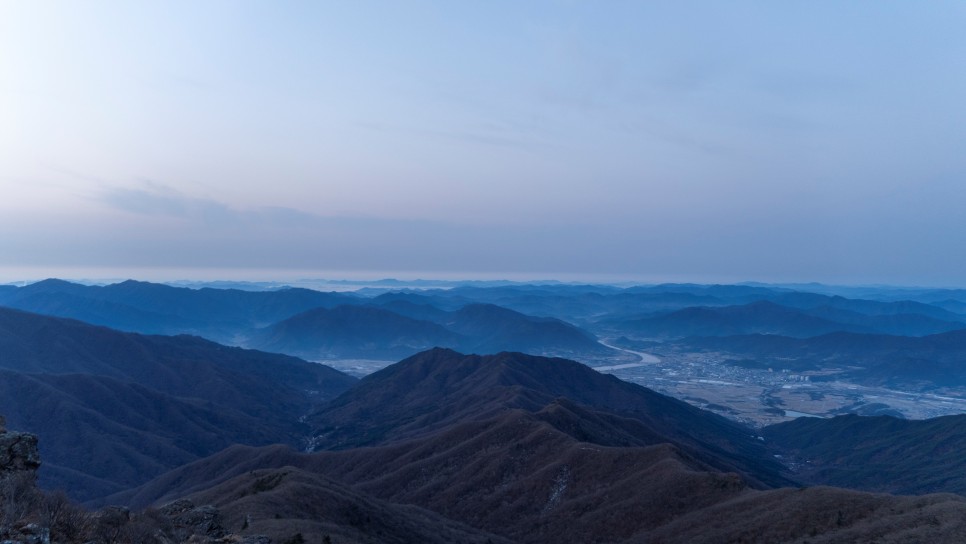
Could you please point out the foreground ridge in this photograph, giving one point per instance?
(29, 515)
(536, 450)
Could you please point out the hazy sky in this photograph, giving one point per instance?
(658, 141)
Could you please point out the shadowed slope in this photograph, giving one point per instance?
(524, 478)
(114, 409)
(180, 365)
(515, 474)
(876, 453)
(100, 435)
(286, 501)
(819, 515)
(441, 387)
(519, 475)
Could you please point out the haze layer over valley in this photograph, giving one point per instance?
(759, 354)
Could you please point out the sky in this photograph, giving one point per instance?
(645, 141)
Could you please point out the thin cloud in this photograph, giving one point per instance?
(491, 138)
(155, 199)
(152, 199)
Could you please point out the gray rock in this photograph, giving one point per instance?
(189, 519)
(176, 508)
(18, 452)
(255, 539)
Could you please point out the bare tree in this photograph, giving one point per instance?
(18, 496)
(65, 520)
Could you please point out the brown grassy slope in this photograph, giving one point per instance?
(283, 502)
(523, 478)
(516, 475)
(208, 472)
(440, 388)
(819, 515)
(526, 480)
(480, 440)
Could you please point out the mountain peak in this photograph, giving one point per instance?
(431, 390)
(53, 285)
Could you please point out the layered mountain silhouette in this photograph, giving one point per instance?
(587, 305)
(756, 318)
(304, 322)
(282, 319)
(113, 409)
(135, 306)
(377, 332)
(765, 317)
(491, 328)
(820, 302)
(352, 331)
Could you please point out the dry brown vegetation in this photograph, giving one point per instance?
(284, 502)
(523, 479)
(478, 449)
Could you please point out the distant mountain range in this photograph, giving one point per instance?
(303, 322)
(376, 332)
(766, 317)
(152, 308)
(662, 312)
(352, 331)
(911, 344)
(910, 363)
(588, 303)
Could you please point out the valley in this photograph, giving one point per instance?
(508, 413)
(763, 397)
(752, 396)
(757, 354)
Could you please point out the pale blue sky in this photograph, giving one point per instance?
(660, 141)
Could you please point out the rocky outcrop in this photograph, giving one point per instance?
(202, 524)
(18, 451)
(188, 520)
(19, 461)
